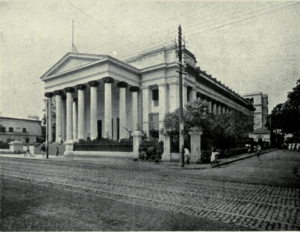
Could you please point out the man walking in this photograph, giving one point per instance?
(258, 150)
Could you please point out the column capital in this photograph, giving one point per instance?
(93, 83)
(69, 90)
(80, 87)
(122, 84)
(48, 94)
(161, 84)
(134, 89)
(58, 92)
(107, 80)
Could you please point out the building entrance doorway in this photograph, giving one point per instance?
(99, 128)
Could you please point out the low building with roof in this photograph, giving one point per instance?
(19, 129)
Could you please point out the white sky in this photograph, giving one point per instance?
(249, 46)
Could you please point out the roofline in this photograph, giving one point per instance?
(23, 119)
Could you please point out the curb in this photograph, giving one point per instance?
(238, 159)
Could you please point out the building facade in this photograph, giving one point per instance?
(101, 96)
(16, 129)
(260, 102)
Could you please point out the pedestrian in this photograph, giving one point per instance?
(28, 151)
(25, 150)
(57, 151)
(43, 149)
(31, 150)
(214, 157)
(187, 155)
(258, 150)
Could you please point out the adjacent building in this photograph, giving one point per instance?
(101, 96)
(260, 102)
(17, 129)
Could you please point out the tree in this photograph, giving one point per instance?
(223, 131)
(285, 117)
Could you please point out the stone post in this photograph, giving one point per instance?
(122, 109)
(81, 122)
(134, 90)
(167, 148)
(137, 139)
(93, 121)
(107, 107)
(195, 134)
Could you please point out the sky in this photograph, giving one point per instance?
(249, 46)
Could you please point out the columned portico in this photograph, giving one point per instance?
(219, 109)
(209, 105)
(58, 123)
(122, 108)
(134, 92)
(75, 119)
(93, 120)
(49, 122)
(69, 127)
(107, 107)
(214, 110)
(81, 89)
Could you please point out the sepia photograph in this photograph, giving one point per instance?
(149, 115)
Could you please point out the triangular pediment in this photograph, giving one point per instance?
(72, 61)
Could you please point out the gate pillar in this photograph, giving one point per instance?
(195, 134)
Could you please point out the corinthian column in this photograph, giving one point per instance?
(162, 104)
(122, 109)
(134, 91)
(63, 118)
(49, 109)
(93, 122)
(58, 131)
(80, 89)
(69, 135)
(107, 107)
(75, 119)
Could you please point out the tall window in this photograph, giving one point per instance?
(11, 129)
(153, 121)
(155, 97)
(24, 130)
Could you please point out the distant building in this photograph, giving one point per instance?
(17, 129)
(260, 102)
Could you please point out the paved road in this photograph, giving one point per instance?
(201, 192)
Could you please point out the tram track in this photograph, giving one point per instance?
(236, 218)
(194, 186)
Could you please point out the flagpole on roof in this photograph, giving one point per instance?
(74, 49)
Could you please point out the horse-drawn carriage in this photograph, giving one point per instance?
(151, 150)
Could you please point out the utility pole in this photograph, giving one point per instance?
(181, 140)
(47, 128)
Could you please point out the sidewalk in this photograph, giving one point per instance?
(223, 161)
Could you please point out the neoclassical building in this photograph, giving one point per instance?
(101, 96)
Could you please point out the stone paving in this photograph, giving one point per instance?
(261, 207)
